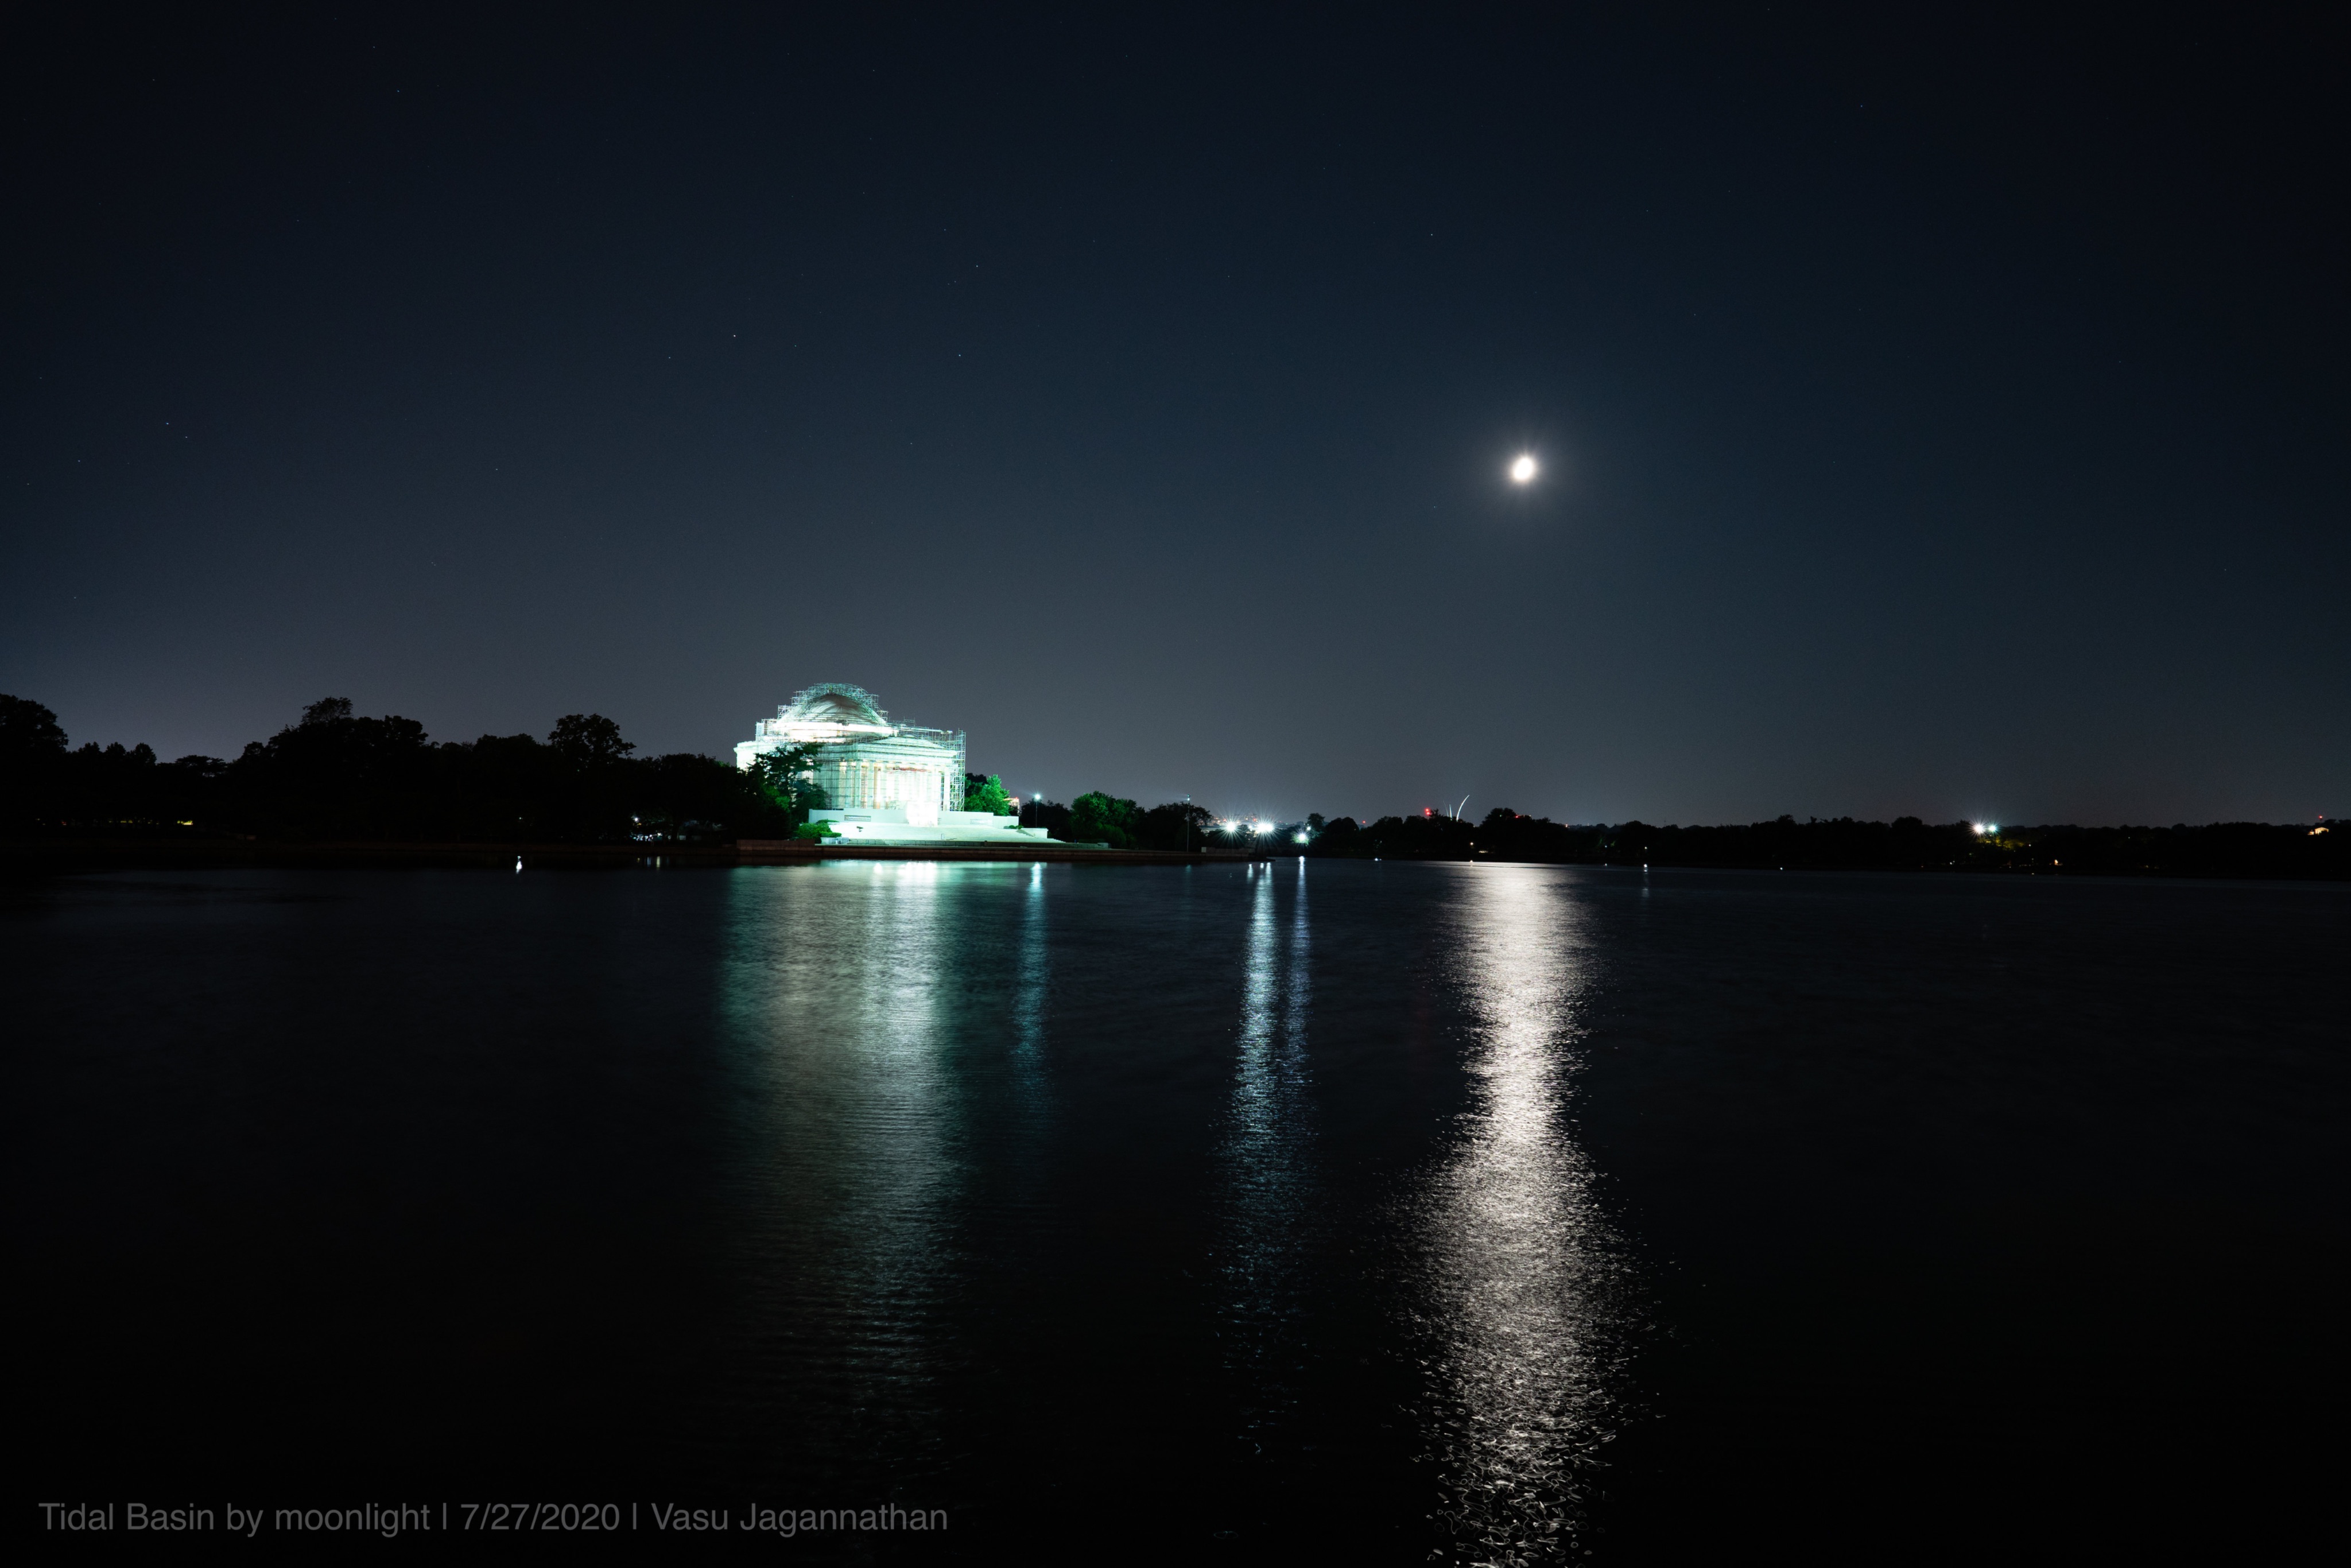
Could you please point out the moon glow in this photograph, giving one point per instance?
(1522, 470)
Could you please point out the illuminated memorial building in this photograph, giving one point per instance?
(882, 782)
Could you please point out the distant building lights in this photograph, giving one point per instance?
(1301, 838)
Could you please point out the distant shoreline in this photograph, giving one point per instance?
(81, 855)
(34, 857)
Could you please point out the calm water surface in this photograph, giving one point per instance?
(1458, 1213)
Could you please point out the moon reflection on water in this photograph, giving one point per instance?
(1523, 1273)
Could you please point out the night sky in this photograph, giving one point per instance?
(1941, 413)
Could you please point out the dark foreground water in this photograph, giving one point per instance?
(1473, 1213)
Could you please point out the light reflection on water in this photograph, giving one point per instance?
(1521, 1268)
(851, 1143)
(1028, 1007)
(1031, 1109)
(1267, 1153)
(831, 1184)
(867, 1001)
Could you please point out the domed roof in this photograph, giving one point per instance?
(832, 703)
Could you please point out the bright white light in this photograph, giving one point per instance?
(1297, 838)
(1522, 471)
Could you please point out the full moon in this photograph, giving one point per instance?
(1522, 471)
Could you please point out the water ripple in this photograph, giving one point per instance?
(1267, 1153)
(1522, 1275)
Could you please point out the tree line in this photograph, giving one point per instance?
(334, 776)
(2254, 850)
(2259, 850)
(1096, 818)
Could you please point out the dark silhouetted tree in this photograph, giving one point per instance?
(1099, 818)
(787, 777)
(984, 792)
(588, 740)
(32, 758)
(1178, 825)
(29, 733)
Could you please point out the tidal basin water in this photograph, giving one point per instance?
(1470, 1213)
